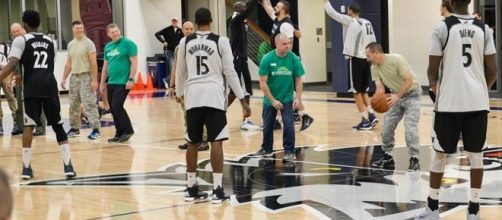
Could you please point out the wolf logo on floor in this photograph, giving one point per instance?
(332, 184)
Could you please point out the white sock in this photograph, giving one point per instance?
(65, 153)
(370, 109)
(364, 115)
(434, 193)
(475, 195)
(217, 180)
(26, 156)
(191, 179)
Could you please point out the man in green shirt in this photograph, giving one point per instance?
(280, 72)
(393, 71)
(119, 71)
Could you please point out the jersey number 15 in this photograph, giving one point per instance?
(202, 64)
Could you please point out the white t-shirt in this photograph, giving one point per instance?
(462, 83)
(357, 32)
(203, 69)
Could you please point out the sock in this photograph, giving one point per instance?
(26, 156)
(434, 194)
(370, 109)
(65, 153)
(364, 115)
(473, 208)
(475, 195)
(191, 179)
(433, 204)
(217, 180)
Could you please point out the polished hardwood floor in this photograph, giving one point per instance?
(144, 178)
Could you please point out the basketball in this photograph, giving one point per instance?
(379, 103)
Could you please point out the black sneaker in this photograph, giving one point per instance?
(277, 125)
(193, 193)
(27, 173)
(39, 132)
(113, 139)
(297, 118)
(16, 130)
(373, 119)
(262, 153)
(306, 122)
(73, 133)
(414, 164)
(183, 146)
(203, 146)
(364, 125)
(385, 162)
(69, 172)
(125, 137)
(219, 195)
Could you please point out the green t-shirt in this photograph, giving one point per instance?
(117, 55)
(391, 72)
(281, 72)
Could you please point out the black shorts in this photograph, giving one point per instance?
(33, 109)
(215, 121)
(449, 126)
(359, 74)
(242, 69)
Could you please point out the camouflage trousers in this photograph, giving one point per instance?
(409, 108)
(81, 93)
(9, 95)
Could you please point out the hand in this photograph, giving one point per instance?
(10, 86)
(94, 85)
(246, 110)
(165, 44)
(392, 99)
(129, 85)
(63, 84)
(102, 88)
(297, 103)
(18, 79)
(277, 105)
(171, 93)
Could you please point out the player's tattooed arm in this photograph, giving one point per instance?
(433, 71)
(7, 69)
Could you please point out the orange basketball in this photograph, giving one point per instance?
(379, 103)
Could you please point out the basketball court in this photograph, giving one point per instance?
(331, 179)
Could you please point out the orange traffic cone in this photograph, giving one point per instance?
(139, 83)
(149, 82)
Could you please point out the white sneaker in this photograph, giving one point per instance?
(247, 125)
(428, 214)
(473, 217)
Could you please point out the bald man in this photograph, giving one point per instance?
(188, 29)
(17, 30)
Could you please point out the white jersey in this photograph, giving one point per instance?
(463, 42)
(203, 69)
(357, 32)
(4, 53)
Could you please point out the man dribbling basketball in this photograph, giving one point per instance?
(393, 71)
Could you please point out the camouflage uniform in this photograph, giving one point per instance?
(81, 92)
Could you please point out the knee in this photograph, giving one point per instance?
(438, 162)
(476, 160)
(60, 133)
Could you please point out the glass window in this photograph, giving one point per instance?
(48, 16)
(10, 12)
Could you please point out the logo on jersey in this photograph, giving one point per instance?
(282, 71)
(329, 183)
(114, 52)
